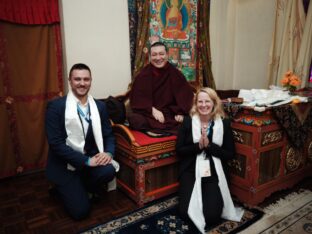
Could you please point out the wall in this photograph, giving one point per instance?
(96, 33)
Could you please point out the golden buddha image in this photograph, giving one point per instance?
(174, 18)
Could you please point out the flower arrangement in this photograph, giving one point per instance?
(290, 81)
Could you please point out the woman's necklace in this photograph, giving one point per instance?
(206, 125)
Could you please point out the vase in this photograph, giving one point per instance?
(292, 90)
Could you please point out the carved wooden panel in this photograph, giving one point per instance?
(269, 165)
(161, 176)
(268, 138)
(294, 159)
(126, 174)
(238, 165)
(242, 137)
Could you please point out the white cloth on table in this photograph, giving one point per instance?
(267, 98)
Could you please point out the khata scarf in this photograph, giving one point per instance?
(195, 209)
(75, 138)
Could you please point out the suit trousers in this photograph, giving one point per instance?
(74, 194)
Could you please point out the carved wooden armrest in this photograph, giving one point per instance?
(124, 131)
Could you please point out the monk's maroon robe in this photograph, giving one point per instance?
(167, 90)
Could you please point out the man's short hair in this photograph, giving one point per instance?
(158, 43)
(79, 66)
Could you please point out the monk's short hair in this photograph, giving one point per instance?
(79, 66)
(158, 43)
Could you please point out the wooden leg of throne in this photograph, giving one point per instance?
(140, 185)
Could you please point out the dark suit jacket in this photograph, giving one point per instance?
(61, 154)
(187, 150)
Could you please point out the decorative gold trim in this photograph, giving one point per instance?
(270, 137)
(238, 136)
(293, 159)
(252, 189)
(236, 164)
(169, 145)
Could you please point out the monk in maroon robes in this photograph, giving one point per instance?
(160, 95)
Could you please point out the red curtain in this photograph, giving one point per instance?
(30, 11)
(30, 74)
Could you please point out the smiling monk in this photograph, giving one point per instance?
(160, 96)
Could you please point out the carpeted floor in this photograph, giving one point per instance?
(291, 214)
(162, 217)
(27, 207)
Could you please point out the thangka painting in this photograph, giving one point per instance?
(174, 22)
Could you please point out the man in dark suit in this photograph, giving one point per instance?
(81, 144)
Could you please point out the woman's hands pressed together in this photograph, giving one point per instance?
(203, 141)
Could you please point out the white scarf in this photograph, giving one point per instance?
(195, 209)
(75, 139)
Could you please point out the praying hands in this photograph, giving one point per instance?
(203, 141)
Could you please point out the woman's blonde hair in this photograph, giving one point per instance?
(217, 104)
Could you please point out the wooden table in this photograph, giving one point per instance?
(273, 150)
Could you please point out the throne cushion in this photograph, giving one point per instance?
(143, 139)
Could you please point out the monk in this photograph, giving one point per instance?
(160, 95)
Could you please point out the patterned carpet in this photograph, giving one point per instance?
(292, 214)
(162, 217)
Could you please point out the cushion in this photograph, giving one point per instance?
(143, 139)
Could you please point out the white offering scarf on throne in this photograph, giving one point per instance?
(195, 209)
(75, 137)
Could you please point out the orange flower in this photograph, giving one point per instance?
(285, 80)
(290, 81)
(294, 80)
(288, 74)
